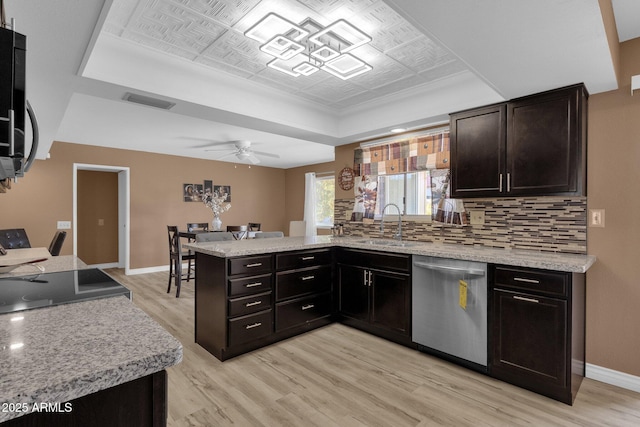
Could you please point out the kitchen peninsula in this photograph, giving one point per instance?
(252, 293)
(92, 358)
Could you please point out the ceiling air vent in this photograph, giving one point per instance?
(149, 101)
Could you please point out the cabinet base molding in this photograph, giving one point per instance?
(616, 378)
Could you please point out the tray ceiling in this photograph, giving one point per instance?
(210, 33)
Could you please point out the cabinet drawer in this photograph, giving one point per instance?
(249, 304)
(248, 328)
(250, 285)
(301, 259)
(302, 282)
(530, 280)
(250, 265)
(375, 260)
(302, 310)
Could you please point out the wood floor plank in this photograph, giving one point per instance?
(339, 376)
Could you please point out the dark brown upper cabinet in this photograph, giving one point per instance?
(530, 146)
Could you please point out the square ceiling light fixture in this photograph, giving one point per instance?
(302, 49)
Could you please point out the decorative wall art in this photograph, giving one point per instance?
(222, 190)
(192, 192)
(366, 192)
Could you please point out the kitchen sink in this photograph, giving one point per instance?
(387, 242)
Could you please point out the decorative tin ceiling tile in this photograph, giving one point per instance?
(225, 12)
(337, 8)
(445, 70)
(179, 27)
(221, 66)
(421, 54)
(158, 45)
(334, 90)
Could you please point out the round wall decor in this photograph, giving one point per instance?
(346, 178)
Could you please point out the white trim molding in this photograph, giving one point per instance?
(609, 376)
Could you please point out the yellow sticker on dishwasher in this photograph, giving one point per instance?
(463, 294)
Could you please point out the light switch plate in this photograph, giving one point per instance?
(596, 218)
(64, 225)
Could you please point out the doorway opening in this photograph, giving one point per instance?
(123, 215)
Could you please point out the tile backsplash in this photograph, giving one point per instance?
(554, 224)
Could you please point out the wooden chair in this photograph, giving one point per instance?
(269, 234)
(56, 243)
(253, 226)
(176, 257)
(214, 236)
(239, 231)
(191, 227)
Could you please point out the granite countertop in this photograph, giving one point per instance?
(61, 353)
(556, 261)
(51, 265)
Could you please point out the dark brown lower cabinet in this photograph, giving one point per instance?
(137, 403)
(375, 293)
(244, 303)
(537, 330)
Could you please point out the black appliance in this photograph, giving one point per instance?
(14, 106)
(49, 289)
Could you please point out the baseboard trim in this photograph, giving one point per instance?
(134, 271)
(616, 378)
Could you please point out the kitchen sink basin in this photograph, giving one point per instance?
(387, 242)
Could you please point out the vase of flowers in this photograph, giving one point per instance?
(216, 202)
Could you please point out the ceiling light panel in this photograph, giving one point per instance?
(272, 25)
(341, 34)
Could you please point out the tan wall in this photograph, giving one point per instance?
(295, 182)
(44, 196)
(613, 288)
(97, 217)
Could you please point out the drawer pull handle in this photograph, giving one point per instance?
(255, 264)
(307, 258)
(308, 306)
(307, 278)
(255, 325)
(251, 304)
(252, 285)
(526, 299)
(520, 279)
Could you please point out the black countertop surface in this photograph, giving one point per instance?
(49, 289)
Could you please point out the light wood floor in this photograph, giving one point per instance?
(339, 376)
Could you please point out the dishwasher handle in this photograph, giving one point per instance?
(470, 271)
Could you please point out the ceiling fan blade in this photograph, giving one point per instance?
(226, 155)
(253, 159)
(262, 153)
(221, 149)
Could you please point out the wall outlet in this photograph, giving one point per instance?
(596, 218)
(476, 217)
(101, 222)
(64, 225)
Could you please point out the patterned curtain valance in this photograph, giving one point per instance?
(406, 155)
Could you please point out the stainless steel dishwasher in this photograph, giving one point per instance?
(449, 305)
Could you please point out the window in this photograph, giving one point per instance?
(325, 196)
(410, 191)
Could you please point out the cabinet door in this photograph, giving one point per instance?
(478, 151)
(529, 340)
(545, 143)
(354, 292)
(391, 301)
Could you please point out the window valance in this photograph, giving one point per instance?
(405, 155)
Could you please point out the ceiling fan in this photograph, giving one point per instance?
(242, 150)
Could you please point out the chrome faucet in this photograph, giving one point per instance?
(398, 235)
